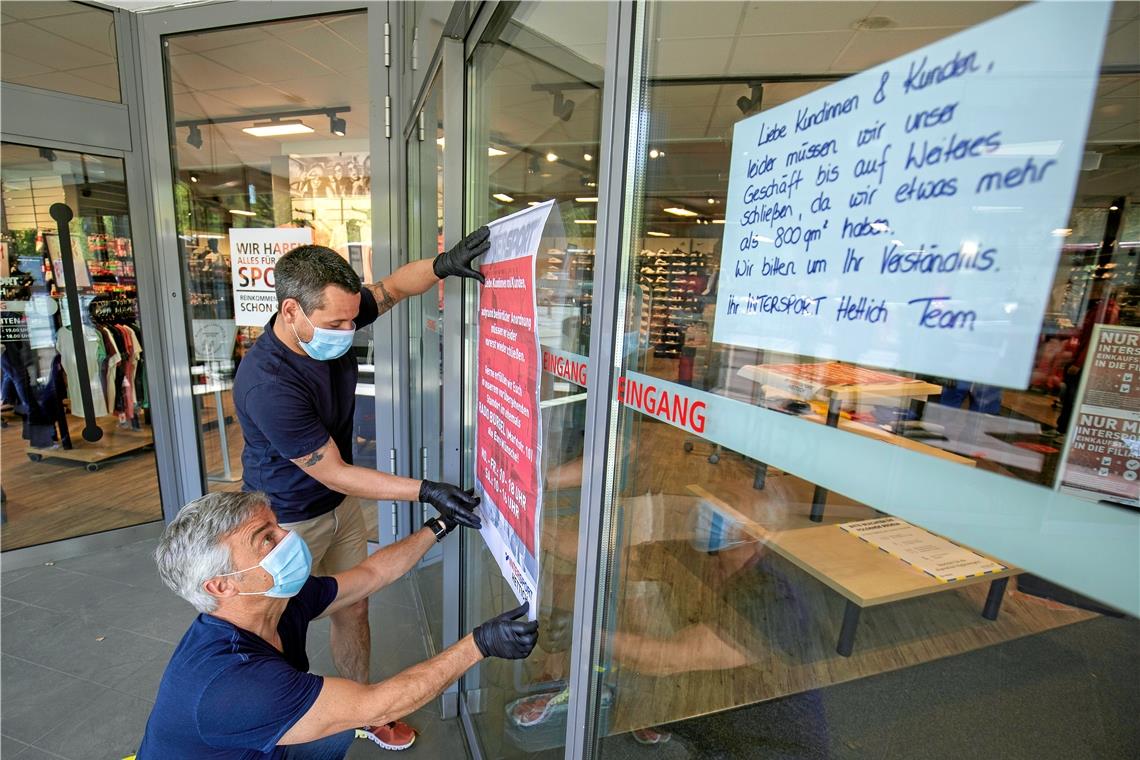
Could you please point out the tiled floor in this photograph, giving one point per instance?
(84, 641)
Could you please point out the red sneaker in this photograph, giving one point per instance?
(395, 736)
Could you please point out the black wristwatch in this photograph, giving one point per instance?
(438, 527)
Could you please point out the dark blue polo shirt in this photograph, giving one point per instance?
(289, 405)
(227, 694)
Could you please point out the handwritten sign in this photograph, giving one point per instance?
(253, 256)
(508, 428)
(908, 217)
(1103, 455)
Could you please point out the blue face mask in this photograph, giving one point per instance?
(326, 344)
(289, 563)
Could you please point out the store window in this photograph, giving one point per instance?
(269, 141)
(743, 616)
(534, 130)
(60, 46)
(78, 448)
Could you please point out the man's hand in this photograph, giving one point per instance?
(456, 506)
(506, 636)
(457, 261)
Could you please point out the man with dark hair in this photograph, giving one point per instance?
(295, 393)
(238, 686)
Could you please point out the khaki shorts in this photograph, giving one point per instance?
(336, 539)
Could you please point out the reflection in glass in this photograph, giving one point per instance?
(78, 452)
(729, 582)
(62, 47)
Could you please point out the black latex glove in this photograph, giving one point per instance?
(506, 636)
(455, 506)
(457, 261)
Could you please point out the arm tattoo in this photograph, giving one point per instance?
(312, 459)
(384, 299)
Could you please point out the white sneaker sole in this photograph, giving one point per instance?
(362, 734)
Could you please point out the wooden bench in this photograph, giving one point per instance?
(856, 570)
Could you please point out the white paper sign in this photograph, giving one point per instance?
(253, 256)
(909, 216)
(933, 555)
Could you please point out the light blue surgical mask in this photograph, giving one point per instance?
(289, 563)
(326, 344)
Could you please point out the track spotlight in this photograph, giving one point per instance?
(747, 104)
(47, 154)
(194, 137)
(563, 106)
(337, 125)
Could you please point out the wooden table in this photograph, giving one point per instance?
(856, 570)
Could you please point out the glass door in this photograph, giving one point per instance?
(269, 139)
(78, 447)
(425, 330)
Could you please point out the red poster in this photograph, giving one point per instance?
(508, 436)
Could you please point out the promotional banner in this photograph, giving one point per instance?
(910, 217)
(253, 255)
(1103, 455)
(508, 428)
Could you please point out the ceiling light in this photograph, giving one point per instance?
(439, 141)
(654, 153)
(654, 233)
(493, 152)
(1114, 207)
(677, 211)
(587, 157)
(277, 128)
(718, 221)
(337, 125)
(194, 136)
(240, 212)
(534, 203)
(586, 200)
(193, 177)
(585, 221)
(712, 201)
(551, 157)
(1062, 232)
(503, 197)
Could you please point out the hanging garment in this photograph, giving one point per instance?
(107, 371)
(93, 347)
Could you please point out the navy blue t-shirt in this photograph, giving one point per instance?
(289, 405)
(227, 694)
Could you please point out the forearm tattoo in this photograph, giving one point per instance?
(384, 299)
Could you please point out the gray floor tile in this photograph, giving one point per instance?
(10, 747)
(38, 700)
(10, 607)
(132, 565)
(10, 576)
(108, 728)
(64, 591)
(35, 753)
(106, 655)
(159, 614)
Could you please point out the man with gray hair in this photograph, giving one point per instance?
(238, 687)
(295, 394)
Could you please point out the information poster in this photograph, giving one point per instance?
(508, 429)
(253, 255)
(940, 559)
(1103, 455)
(910, 217)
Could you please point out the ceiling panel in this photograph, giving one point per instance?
(63, 81)
(869, 49)
(801, 17)
(1122, 48)
(270, 60)
(32, 10)
(789, 54)
(955, 14)
(198, 73)
(30, 42)
(93, 29)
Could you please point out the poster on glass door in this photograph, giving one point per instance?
(253, 256)
(508, 428)
(910, 217)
